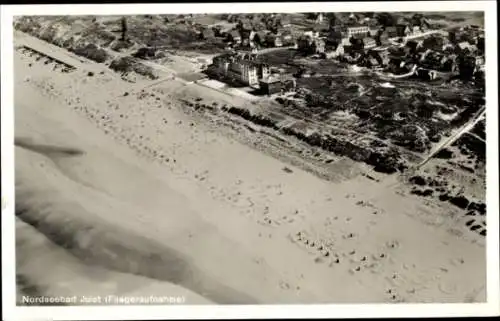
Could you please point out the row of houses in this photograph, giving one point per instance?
(380, 34)
(258, 39)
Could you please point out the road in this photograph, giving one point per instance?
(450, 140)
(477, 137)
(267, 50)
(424, 34)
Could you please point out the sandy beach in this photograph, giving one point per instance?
(139, 197)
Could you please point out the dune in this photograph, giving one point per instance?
(131, 185)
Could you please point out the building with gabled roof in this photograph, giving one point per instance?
(234, 36)
(403, 30)
(368, 43)
(391, 31)
(273, 40)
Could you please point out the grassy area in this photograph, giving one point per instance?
(409, 116)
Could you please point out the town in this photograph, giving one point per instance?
(410, 47)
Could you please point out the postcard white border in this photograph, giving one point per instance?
(492, 307)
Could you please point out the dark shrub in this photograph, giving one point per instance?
(444, 154)
(121, 44)
(418, 180)
(92, 52)
(460, 201)
(144, 53)
(123, 64)
(144, 70)
(427, 192)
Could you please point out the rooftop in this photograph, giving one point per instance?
(271, 79)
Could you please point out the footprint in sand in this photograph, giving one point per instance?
(334, 262)
(375, 267)
(349, 236)
(448, 287)
(393, 244)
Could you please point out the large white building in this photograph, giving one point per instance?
(241, 68)
(357, 31)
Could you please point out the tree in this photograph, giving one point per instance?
(467, 66)
(332, 19)
(452, 36)
(416, 19)
(386, 19)
(124, 28)
(480, 44)
(311, 15)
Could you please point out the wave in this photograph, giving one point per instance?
(55, 211)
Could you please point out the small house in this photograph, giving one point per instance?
(311, 33)
(373, 31)
(480, 43)
(334, 37)
(234, 37)
(285, 21)
(348, 49)
(368, 43)
(381, 58)
(414, 46)
(396, 64)
(309, 45)
(449, 49)
(372, 62)
(286, 37)
(218, 32)
(426, 74)
(448, 64)
(245, 34)
(434, 43)
(391, 31)
(270, 85)
(425, 25)
(319, 45)
(273, 40)
(346, 41)
(403, 30)
(464, 46)
(382, 38)
(251, 35)
(402, 21)
(337, 52)
(260, 37)
(207, 34)
(244, 24)
(319, 18)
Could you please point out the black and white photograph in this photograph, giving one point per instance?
(250, 157)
